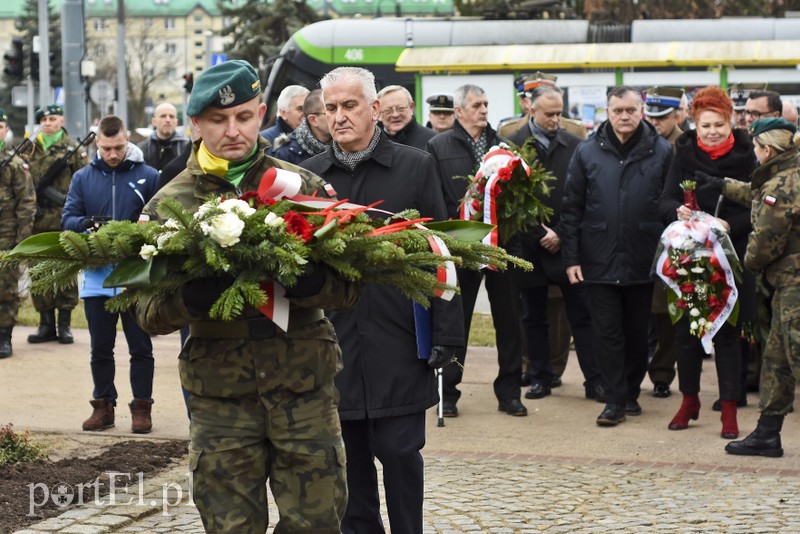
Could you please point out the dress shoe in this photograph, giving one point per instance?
(717, 406)
(512, 407)
(661, 390)
(555, 382)
(596, 392)
(449, 409)
(632, 408)
(537, 391)
(525, 381)
(612, 415)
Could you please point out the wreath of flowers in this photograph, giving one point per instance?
(506, 191)
(696, 259)
(253, 238)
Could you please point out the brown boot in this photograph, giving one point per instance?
(140, 413)
(102, 416)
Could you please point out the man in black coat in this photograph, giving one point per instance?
(542, 246)
(385, 387)
(164, 144)
(458, 153)
(311, 137)
(610, 230)
(397, 118)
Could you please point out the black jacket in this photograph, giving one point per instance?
(609, 215)
(454, 157)
(548, 268)
(159, 152)
(412, 134)
(175, 166)
(382, 375)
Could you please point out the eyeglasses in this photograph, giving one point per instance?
(388, 112)
(757, 114)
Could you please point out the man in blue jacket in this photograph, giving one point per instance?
(116, 186)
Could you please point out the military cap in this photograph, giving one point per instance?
(3, 115)
(739, 93)
(519, 83)
(223, 86)
(660, 101)
(50, 109)
(440, 102)
(539, 78)
(772, 123)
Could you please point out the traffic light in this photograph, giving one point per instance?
(188, 81)
(14, 59)
(34, 65)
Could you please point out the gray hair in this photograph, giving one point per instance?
(460, 94)
(288, 93)
(543, 90)
(364, 78)
(392, 88)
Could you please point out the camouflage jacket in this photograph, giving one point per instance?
(774, 244)
(191, 188)
(17, 203)
(48, 215)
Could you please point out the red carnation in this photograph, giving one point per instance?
(717, 277)
(505, 173)
(687, 288)
(476, 204)
(714, 261)
(713, 301)
(298, 225)
(671, 272)
(680, 303)
(684, 259)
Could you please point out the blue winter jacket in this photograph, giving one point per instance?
(120, 193)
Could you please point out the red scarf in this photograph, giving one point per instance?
(716, 152)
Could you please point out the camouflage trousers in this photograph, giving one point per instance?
(780, 369)
(265, 411)
(66, 299)
(9, 296)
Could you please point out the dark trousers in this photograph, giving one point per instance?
(727, 357)
(396, 442)
(537, 332)
(620, 315)
(504, 302)
(103, 335)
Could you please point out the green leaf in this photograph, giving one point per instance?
(471, 231)
(138, 273)
(46, 244)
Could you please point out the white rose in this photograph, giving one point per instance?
(234, 204)
(694, 312)
(147, 252)
(172, 223)
(273, 220)
(697, 270)
(203, 209)
(693, 326)
(162, 239)
(682, 271)
(225, 229)
(701, 322)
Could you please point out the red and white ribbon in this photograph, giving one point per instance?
(446, 273)
(279, 183)
(277, 306)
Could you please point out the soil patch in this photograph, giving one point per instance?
(65, 474)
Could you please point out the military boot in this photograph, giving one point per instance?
(765, 440)
(102, 416)
(47, 328)
(5, 341)
(64, 332)
(140, 415)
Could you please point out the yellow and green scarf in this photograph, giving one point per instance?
(232, 171)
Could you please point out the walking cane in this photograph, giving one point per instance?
(441, 398)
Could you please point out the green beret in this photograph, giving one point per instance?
(3, 115)
(773, 123)
(50, 109)
(224, 85)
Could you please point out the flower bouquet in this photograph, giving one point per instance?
(696, 259)
(254, 239)
(505, 192)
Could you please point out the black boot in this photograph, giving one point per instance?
(5, 341)
(47, 328)
(64, 332)
(765, 440)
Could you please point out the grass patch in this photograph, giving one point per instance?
(482, 332)
(16, 448)
(28, 316)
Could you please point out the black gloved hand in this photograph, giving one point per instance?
(198, 295)
(441, 355)
(709, 184)
(310, 283)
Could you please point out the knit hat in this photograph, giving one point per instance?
(50, 109)
(224, 85)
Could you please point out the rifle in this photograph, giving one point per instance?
(24, 145)
(45, 188)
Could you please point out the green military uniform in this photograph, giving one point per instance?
(573, 126)
(17, 208)
(48, 214)
(262, 402)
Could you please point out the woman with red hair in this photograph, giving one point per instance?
(713, 148)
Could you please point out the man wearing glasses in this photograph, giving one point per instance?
(761, 105)
(312, 137)
(397, 118)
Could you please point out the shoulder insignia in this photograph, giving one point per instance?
(769, 200)
(84, 155)
(329, 189)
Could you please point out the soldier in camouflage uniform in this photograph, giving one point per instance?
(17, 207)
(774, 248)
(262, 401)
(51, 143)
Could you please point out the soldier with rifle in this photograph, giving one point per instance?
(53, 158)
(17, 208)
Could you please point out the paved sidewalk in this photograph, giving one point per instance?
(553, 471)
